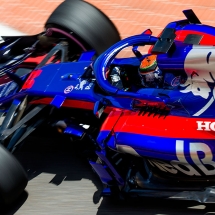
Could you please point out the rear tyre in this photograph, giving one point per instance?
(13, 178)
(85, 22)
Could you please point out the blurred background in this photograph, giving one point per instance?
(130, 16)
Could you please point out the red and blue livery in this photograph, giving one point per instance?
(152, 139)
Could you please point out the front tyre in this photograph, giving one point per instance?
(13, 178)
(86, 23)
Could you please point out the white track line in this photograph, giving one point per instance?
(6, 30)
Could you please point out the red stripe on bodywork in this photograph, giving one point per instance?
(30, 80)
(78, 104)
(67, 103)
(35, 60)
(169, 126)
(207, 39)
(72, 104)
(111, 120)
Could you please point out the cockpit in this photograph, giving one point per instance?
(144, 74)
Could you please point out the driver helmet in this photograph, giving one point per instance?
(148, 64)
(150, 73)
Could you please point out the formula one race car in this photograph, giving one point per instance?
(149, 117)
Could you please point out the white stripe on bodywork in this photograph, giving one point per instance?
(127, 149)
(206, 106)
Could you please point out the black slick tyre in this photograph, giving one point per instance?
(86, 22)
(13, 178)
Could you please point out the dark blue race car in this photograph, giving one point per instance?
(150, 117)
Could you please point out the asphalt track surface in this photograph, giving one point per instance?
(61, 182)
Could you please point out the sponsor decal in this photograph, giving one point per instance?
(205, 126)
(201, 75)
(203, 165)
(176, 81)
(83, 85)
(89, 86)
(68, 89)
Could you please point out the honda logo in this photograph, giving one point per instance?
(205, 126)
